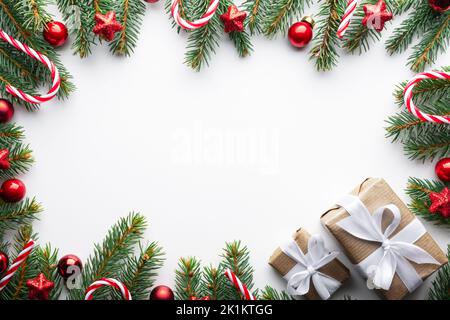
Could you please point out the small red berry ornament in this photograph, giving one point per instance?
(69, 265)
(301, 33)
(12, 190)
(4, 262)
(55, 33)
(443, 169)
(162, 293)
(6, 111)
(440, 5)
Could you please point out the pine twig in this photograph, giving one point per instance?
(188, 279)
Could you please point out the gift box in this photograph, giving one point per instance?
(383, 239)
(310, 269)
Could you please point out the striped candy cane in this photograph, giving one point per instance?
(348, 14)
(21, 258)
(434, 75)
(239, 285)
(56, 81)
(191, 25)
(108, 282)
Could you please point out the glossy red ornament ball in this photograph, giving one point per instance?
(12, 190)
(6, 111)
(56, 33)
(301, 33)
(4, 262)
(69, 265)
(443, 169)
(440, 5)
(162, 293)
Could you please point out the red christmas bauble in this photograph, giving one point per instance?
(55, 33)
(440, 5)
(69, 265)
(6, 110)
(301, 33)
(162, 293)
(443, 169)
(4, 262)
(12, 190)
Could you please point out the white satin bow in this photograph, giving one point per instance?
(299, 277)
(395, 253)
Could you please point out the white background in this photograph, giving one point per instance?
(117, 146)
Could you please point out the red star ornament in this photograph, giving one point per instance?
(106, 25)
(440, 203)
(4, 159)
(233, 19)
(376, 15)
(39, 288)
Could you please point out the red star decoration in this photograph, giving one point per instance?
(39, 288)
(376, 15)
(4, 159)
(107, 25)
(233, 19)
(440, 203)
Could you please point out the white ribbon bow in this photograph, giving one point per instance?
(395, 253)
(299, 277)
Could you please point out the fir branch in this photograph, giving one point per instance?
(13, 214)
(139, 273)
(435, 144)
(401, 6)
(130, 13)
(326, 41)
(202, 42)
(47, 259)
(18, 82)
(415, 25)
(256, 12)
(79, 18)
(270, 293)
(34, 13)
(20, 159)
(214, 283)
(10, 134)
(237, 258)
(188, 279)
(280, 14)
(419, 192)
(14, 62)
(241, 40)
(440, 289)
(435, 41)
(108, 257)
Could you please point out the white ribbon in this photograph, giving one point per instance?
(395, 253)
(299, 277)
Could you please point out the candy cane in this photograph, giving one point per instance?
(41, 58)
(239, 285)
(109, 282)
(191, 25)
(23, 255)
(348, 14)
(434, 75)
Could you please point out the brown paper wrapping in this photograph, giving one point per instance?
(375, 193)
(283, 264)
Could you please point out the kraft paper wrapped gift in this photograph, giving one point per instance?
(330, 276)
(383, 239)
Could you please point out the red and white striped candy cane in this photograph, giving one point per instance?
(56, 80)
(23, 255)
(109, 282)
(242, 288)
(191, 25)
(434, 75)
(346, 19)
